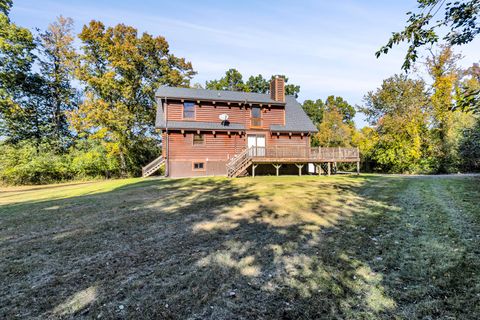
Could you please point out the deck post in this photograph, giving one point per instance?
(328, 168)
(319, 169)
(358, 167)
(254, 166)
(277, 166)
(299, 166)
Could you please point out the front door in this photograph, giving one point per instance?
(257, 141)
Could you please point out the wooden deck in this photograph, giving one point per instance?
(298, 155)
(302, 154)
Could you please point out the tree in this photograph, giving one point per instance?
(332, 131)
(57, 67)
(343, 107)
(314, 110)
(121, 71)
(21, 90)
(442, 67)
(233, 81)
(257, 84)
(460, 19)
(398, 111)
(5, 6)
(469, 148)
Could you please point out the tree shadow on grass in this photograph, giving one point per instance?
(209, 248)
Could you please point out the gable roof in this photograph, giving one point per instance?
(296, 120)
(215, 95)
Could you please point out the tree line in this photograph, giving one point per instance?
(72, 111)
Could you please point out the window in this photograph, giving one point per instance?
(198, 166)
(188, 110)
(256, 120)
(198, 139)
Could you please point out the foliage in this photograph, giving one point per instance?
(332, 131)
(314, 110)
(469, 148)
(57, 65)
(344, 108)
(121, 71)
(459, 18)
(398, 110)
(233, 81)
(21, 89)
(5, 6)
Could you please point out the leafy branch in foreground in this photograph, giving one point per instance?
(459, 17)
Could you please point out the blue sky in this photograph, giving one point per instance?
(326, 47)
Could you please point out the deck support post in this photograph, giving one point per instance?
(277, 167)
(328, 168)
(254, 166)
(319, 169)
(299, 166)
(358, 167)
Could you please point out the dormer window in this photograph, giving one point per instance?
(188, 110)
(256, 117)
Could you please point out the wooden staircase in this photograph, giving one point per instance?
(153, 166)
(238, 165)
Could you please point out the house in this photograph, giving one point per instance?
(210, 132)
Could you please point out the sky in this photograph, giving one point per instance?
(326, 47)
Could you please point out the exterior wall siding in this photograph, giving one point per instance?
(208, 112)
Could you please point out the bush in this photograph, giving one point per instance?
(24, 164)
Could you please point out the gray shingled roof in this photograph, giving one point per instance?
(219, 95)
(296, 119)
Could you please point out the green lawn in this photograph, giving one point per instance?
(347, 247)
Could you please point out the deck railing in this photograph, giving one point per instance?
(300, 152)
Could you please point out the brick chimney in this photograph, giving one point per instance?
(277, 89)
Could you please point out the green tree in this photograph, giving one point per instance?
(469, 148)
(233, 81)
(121, 71)
(22, 116)
(5, 6)
(460, 20)
(314, 110)
(57, 65)
(332, 131)
(257, 84)
(343, 107)
(398, 111)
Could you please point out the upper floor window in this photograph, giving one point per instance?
(198, 139)
(189, 110)
(256, 117)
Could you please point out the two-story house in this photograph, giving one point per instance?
(210, 132)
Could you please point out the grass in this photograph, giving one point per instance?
(346, 247)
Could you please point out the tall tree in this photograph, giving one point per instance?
(21, 90)
(447, 125)
(57, 66)
(398, 110)
(343, 107)
(233, 81)
(257, 84)
(332, 131)
(5, 6)
(314, 110)
(121, 71)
